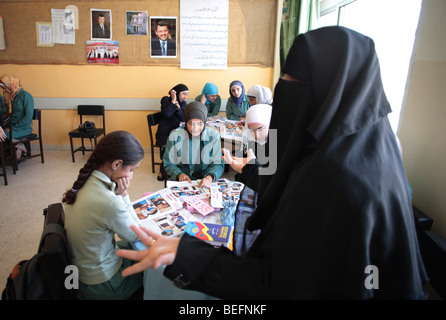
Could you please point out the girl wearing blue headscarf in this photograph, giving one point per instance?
(210, 98)
(238, 102)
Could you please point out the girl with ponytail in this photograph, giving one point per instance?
(98, 207)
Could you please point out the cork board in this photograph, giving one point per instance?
(251, 32)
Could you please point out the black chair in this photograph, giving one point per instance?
(8, 150)
(153, 119)
(3, 164)
(87, 110)
(37, 117)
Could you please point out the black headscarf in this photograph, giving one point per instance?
(179, 88)
(339, 199)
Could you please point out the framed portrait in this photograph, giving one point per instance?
(101, 24)
(163, 37)
(136, 23)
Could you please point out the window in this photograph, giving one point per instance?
(392, 25)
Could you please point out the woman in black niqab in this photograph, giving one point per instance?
(336, 219)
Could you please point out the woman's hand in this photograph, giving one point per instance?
(161, 250)
(122, 184)
(206, 182)
(184, 177)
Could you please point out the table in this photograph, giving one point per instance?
(158, 287)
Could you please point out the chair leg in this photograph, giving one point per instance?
(83, 146)
(72, 150)
(153, 162)
(2, 158)
(41, 151)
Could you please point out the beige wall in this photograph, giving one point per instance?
(423, 125)
(99, 81)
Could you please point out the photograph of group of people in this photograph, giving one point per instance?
(162, 31)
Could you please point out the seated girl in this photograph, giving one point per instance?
(98, 207)
(194, 152)
(172, 108)
(21, 104)
(210, 98)
(258, 94)
(238, 102)
(255, 137)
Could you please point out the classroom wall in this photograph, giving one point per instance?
(117, 87)
(422, 130)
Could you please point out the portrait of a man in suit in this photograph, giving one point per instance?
(101, 24)
(163, 38)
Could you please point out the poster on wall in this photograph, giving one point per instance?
(163, 37)
(101, 24)
(136, 23)
(204, 34)
(44, 34)
(102, 52)
(63, 26)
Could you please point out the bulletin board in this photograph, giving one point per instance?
(251, 32)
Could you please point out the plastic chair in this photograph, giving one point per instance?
(153, 119)
(87, 110)
(37, 116)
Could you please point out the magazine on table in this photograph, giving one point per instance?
(167, 211)
(215, 234)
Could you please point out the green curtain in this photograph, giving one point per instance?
(298, 16)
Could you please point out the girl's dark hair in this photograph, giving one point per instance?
(117, 145)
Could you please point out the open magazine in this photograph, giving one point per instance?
(167, 211)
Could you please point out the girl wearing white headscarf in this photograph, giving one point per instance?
(258, 94)
(255, 136)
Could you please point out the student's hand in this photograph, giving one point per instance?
(161, 250)
(2, 135)
(238, 163)
(173, 96)
(242, 121)
(203, 98)
(184, 177)
(122, 184)
(206, 182)
(226, 156)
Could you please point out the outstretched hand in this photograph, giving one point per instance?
(161, 250)
(237, 163)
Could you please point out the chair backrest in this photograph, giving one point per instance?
(38, 116)
(91, 110)
(153, 119)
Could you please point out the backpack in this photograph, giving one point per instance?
(43, 276)
(87, 127)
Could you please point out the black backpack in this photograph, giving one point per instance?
(44, 277)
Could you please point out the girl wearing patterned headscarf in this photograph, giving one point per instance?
(21, 104)
(210, 98)
(238, 102)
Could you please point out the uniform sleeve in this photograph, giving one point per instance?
(230, 110)
(123, 217)
(171, 158)
(218, 271)
(216, 107)
(27, 102)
